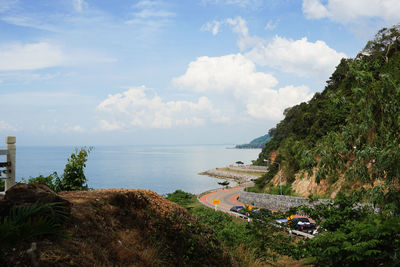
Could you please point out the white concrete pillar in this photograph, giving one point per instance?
(10, 146)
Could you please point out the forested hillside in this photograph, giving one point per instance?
(348, 135)
(258, 142)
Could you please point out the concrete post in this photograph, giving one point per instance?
(10, 146)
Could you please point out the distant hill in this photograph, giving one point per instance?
(256, 143)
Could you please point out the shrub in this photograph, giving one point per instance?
(25, 222)
(73, 177)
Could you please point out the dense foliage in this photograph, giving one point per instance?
(254, 243)
(355, 235)
(24, 222)
(73, 177)
(349, 130)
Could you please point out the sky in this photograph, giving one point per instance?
(129, 72)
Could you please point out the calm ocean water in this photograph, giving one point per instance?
(162, 169)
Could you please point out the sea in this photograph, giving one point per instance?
(162, 169)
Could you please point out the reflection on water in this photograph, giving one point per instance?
(162, 169)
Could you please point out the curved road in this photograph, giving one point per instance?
(227, 197)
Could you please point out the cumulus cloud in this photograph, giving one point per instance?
(301, 57)
(236, 76)
(345, 11)
(5, 126)
(297, 56)
(134, 108)
(30, 56)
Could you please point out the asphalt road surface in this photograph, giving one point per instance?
(227, 197)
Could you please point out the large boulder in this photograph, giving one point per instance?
(28, 194)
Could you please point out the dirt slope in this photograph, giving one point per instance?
(116, 227)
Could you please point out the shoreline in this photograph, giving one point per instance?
(230, 175)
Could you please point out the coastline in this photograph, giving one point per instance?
(236, 176)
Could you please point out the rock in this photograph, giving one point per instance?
(28, 194)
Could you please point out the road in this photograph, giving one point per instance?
(227, 197)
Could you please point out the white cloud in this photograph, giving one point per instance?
(239, 26)
(271, 25)
(271, 103)
(134, 108)
(5, 126)
(236, 76)
(150, 15)
(301, 57)
(30, 56)
(212, 27)
(79, 5)
(346, 11)
(232, 73)
(109, 126)
(74, 128)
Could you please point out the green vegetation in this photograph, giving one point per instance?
(73, 177)
(350, 130)
(39, 219)
(224, 183)
(256, 143)
(251, 243)
(355, 236)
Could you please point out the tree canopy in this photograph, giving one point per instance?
(350, 129)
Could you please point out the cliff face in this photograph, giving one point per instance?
(118, 227)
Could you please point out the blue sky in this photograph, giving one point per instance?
(99, 72)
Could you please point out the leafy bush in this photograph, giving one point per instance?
(73, 177)
(356, 235)
(25, 222)
(180, 197)
(50, 180)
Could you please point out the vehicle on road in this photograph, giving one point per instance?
(236, 208)
(302, 224)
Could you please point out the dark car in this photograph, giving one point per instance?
(301, 224)
(236, 208)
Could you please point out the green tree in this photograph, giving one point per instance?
(74, 176)
(224, 183)
(355, 236)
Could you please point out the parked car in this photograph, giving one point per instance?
(236, 208)
(302, 224)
